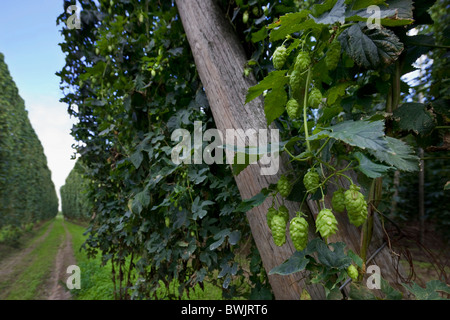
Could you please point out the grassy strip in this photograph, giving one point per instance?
(19, 268)
(26, 240)
(27, 285)
(96, 283)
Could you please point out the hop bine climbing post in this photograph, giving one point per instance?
(220, 61)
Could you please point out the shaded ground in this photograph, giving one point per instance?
(53, 285)
(8, 267)
(430, 259)
(16, 263)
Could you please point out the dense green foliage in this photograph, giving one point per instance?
(133, 81)
(130, 79)
(75, 203)
(27, 193)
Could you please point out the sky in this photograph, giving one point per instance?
(29, 40)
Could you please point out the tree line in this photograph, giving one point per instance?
(27, 193)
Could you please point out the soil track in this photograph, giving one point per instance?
(7, 267)
(56, 288)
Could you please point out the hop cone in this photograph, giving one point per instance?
(356, 205)
(326, 223)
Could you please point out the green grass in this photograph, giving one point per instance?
(34, 275)
(6, 251)
(29, 278)
(96, 283)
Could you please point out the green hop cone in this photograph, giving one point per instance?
(293, 109)
(356, 205)
(270, 214)
(284, 186)
(245, 17)
(278, 230)
(302, 61)
(311, 180)
(314, 98)
(284, 213)
(326, 223)
(295, 81)
(298, 231)
(338, 201)
(352, 272)
(279, 57)
(333, 55)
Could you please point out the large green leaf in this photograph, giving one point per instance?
(198, 210)
(256, 200)
(274, 104)
(337, 91)
(288, 24)
(275, 100)
(413, 116)
(369, 168)
(336, 14)
(356, 259)
(297, 262)
(397, 13)
(370, 48)
(399, 155)
(360, 292)
(362, 4)
(361, 134)
(389, 292)
(141, 201)
(431, 290)
(136, 158)
(274, 80)
(318, 9)
(335, 258)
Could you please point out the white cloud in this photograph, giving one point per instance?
(53, 124)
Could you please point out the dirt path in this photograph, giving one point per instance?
(8, 267)
(56, 288)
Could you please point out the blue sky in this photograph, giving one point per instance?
(29, 40)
